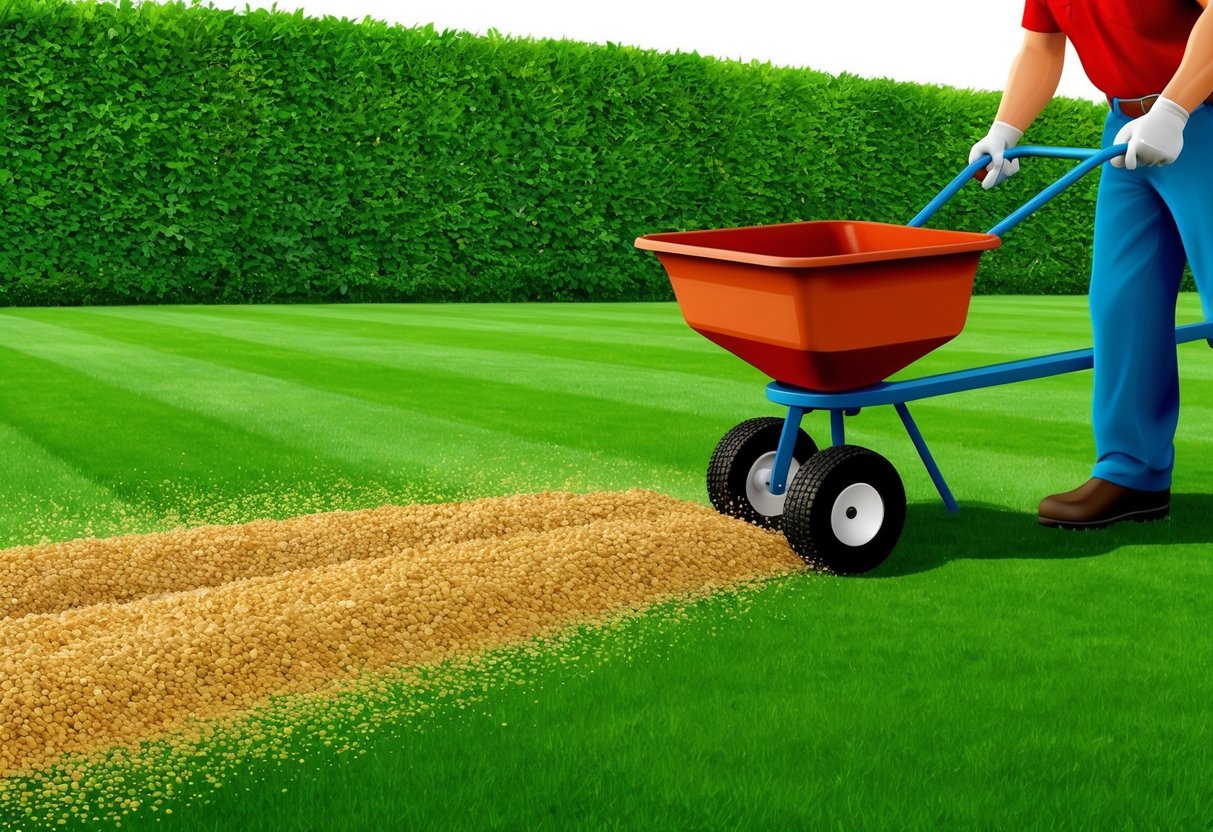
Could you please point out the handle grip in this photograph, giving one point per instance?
(1077, 153)
(1088, 159)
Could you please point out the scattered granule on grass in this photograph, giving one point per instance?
(151, 507)
(304, 732)
(107, 642)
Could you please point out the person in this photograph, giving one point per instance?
(1154, 62)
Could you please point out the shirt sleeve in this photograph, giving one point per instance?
(1038, 18)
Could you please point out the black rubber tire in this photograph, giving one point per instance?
(807, 512)
(736, 454)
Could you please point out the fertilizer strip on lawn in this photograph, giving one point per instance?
(107, 642)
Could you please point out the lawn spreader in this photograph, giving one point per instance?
(829, 310)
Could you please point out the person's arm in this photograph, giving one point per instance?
(1035, 73)
(1033, 80)
(1193, 81)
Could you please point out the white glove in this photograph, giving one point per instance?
(1154, 139)
(1001, 138)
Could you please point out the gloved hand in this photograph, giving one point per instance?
(1001, 138)
(1154, 139)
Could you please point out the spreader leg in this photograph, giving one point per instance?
(925, 454)
(838, 434)
(783, 454)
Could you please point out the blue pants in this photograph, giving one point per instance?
(1148, 222)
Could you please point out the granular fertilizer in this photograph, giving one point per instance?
(106, 642)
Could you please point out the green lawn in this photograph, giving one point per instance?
(991, 675)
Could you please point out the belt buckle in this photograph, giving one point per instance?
(1137, 107)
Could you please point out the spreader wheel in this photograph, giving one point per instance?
(740, 470)
(845, 510)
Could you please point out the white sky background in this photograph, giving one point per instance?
(961, 43)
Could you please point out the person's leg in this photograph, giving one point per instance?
(1135, 272)
(1136, 269)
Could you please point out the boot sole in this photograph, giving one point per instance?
(1141, 516)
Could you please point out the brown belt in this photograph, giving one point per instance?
(1137, 107)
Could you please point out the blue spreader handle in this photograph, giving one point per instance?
(1088, 159)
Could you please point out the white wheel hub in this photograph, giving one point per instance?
(758, 485)
(857, 515)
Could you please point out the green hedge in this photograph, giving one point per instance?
(173, 153)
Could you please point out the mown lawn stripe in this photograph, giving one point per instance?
(488, 363)
(499, 402)
(334, 425)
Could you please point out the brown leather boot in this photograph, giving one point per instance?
(1098, 503)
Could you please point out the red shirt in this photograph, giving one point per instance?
(1129, 48)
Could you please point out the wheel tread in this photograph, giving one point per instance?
(802, 512)
(736, 448)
